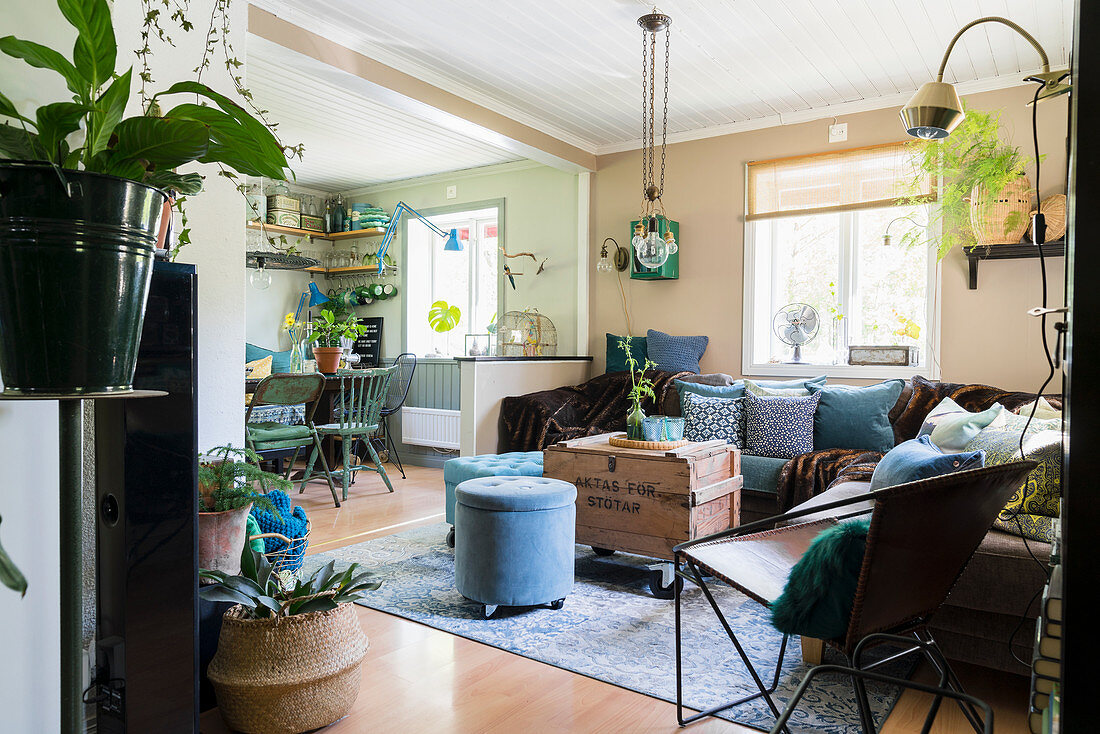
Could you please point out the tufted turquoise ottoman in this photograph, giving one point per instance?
(513, 464)
(514, 541)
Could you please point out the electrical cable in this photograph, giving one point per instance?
(1039, 235)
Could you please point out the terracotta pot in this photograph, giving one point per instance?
(290, 674)
(221, 539)
(328, 359)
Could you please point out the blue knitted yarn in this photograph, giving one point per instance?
(293, 525)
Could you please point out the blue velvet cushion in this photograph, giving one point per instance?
(779, 427)
(616, 358)
(709, 419)
(737, 389)
(919, 458)
(280, 361)
(952, 426)
(676, 353)
(850, 417)
(821, 588)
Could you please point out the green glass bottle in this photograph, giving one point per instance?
(634, 420)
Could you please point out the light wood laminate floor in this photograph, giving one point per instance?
(419, 679)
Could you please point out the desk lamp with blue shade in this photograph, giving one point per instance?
(453, 244)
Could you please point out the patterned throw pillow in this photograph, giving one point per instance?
(258, 369)
(707, 419)
(1028, 511)
(676, 353)
(779, 427)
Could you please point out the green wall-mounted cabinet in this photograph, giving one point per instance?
(671, 269)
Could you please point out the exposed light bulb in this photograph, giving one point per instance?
(654, 251)
(604, 265)
(260, 278)
(638, 241)
(670, 242)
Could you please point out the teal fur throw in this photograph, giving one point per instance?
(817, 600)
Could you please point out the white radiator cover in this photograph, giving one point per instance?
(430, 427)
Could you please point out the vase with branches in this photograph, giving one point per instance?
(641, 387)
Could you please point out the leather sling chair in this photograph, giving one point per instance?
(921, 537)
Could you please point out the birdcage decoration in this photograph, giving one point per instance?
(526, 333)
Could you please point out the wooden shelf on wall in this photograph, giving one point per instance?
(332, 237)
(1008, 252)
(353, 270)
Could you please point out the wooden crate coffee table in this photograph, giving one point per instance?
(646, 502)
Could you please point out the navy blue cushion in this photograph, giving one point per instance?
(851, 417)
(676, 353)
(919, 458)
(709, 419)
(779, 426)
(616, 358)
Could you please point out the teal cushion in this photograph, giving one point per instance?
(616, 358)
(850, 417)
(280, 361)
(272, 431)
(919, 458)
(817, 600)
(761, 472)
(737, 389)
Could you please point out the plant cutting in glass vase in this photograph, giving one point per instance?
(641, 387)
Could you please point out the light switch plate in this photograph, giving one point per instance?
(452, 192)
(838, 133)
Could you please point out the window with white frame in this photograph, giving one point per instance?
(814, 236)
(467, 279)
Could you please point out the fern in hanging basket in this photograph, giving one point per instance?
(975, 170)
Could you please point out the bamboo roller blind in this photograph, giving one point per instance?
(857, 178)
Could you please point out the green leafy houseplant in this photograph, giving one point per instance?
(443, 317)
(971, 161)
(265, 595)
(145, 148)
(229, 478)
(641, 387)
(327, 330)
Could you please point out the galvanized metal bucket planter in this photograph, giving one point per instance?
(76, 258)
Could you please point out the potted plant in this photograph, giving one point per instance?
(641, 387)
(290, 652)
(83, 200)
(984, 197)
(228, 479)
(326, 335)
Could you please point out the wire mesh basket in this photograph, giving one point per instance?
(290, 556)
(526, 333)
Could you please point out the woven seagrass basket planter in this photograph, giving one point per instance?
(1006, 217)
(288, 675)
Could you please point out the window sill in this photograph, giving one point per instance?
(855, 372)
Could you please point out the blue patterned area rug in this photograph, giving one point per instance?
(613, 630)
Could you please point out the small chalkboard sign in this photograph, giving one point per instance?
(369, 345)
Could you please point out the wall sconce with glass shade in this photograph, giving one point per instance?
(620, 261)
(935, 110)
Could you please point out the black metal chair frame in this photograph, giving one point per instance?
(686, 569)
(385, 441)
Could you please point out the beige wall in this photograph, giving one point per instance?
(540, 216)
(985, 337)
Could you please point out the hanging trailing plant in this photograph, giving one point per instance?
(973, 166)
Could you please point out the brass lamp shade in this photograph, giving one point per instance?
(933, 112)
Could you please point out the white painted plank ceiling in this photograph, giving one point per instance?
(351, 140)
(572, 68)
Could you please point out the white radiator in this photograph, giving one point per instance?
(430, 427)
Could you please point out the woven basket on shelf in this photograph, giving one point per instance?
(1054, 210)
(290, 674)
(1004, 219)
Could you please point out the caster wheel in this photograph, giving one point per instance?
(602, 551)
(664, 592)
(489, 610)
(557, 604)
(451, 538)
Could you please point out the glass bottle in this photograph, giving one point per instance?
(281, 189)
(339, 214)
(634, 420)
(354, 256)
(329, 208)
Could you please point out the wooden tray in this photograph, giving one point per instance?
(623, 442)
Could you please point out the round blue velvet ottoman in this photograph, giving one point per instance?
(514, 541)
(511, 464)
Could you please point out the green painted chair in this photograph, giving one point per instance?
(288, 389)
(357, 414)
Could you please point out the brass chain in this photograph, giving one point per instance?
(664, 120)
(645, 88)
